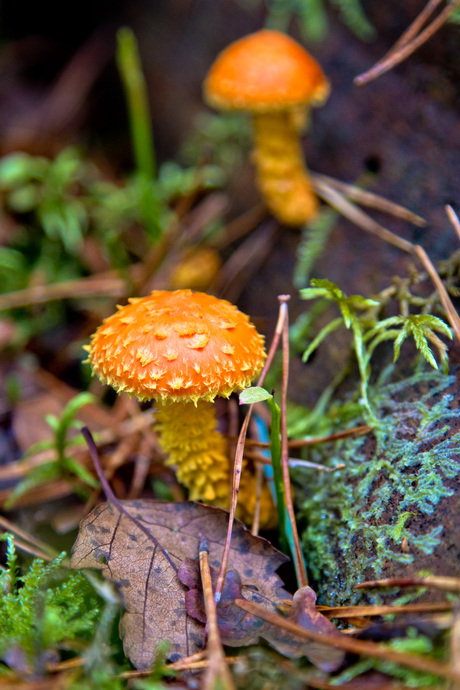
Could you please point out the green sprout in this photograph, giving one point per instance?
(312, 17)
(369, 333)
(62, 466)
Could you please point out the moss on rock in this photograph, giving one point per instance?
(392, 510)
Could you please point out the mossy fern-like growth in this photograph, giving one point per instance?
(383, 507)
(44, 610)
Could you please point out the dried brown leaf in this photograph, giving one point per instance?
(304, 613)
(142, 548)
(237, 628)
(241, 628)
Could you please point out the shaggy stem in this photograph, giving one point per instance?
(281, 172)
(198, 451)
(189, 436)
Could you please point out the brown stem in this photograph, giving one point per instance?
(297, 555)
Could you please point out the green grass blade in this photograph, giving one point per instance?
(130, 68)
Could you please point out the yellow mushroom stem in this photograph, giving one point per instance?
(188, 435)
(198, 451)
(282, 175)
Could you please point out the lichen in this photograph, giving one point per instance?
(361, 519)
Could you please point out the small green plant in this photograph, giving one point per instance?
(47, 608)
(313, 241)
(312, 17)
(368, 332)
(413, 643)
(220, 140)
(63, 466)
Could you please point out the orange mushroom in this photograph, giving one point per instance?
(276, 79)
(182, 349)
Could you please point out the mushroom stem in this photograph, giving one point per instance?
(281, 172)
(188, 435)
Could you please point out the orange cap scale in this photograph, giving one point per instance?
(177, 346)
(266, 70)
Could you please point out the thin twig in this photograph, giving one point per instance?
(371, 200)
(418, 23)
(302, 579)
(34, 551)
(217, 673)
(444, 583)
(30, 539)
(356, 611)
(357, 216)
(341, 641)
(362, 220)
(449, 308)
(70, 289)
(259, 477)
(235, 489)
(239, 461)
(188, 663)
(452, 216)
(404, 48)
(313, 440)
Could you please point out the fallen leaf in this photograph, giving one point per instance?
(304, 613)
(241, 628)
(236, 627)
(142, 548)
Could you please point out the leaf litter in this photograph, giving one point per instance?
(145, 568)
(150, 550)
(241, 628)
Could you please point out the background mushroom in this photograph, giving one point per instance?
(276, 79)
(182, 349)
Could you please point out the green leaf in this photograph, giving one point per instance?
(313, 20)
(253, 395)
(36, 476)
(68, 415)
(313, 242)
(422, 327)
(275, 452)
(81, 472)
(324, 332)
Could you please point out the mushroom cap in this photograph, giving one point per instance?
(177, 346)
(265, 71)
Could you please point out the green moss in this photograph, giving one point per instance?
(359, 518)
(45, 609)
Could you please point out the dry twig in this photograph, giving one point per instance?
(364, 221)
(217, 674)
(410, 41)
(341, 641)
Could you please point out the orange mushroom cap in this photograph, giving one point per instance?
(265, 71)
(177, 346)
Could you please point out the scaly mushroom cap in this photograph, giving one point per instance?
(177, 346)
(265, 71)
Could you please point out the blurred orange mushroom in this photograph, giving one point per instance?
(183, 349)
(276, 79)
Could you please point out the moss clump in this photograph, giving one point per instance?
(42, 611)
(386, 512)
